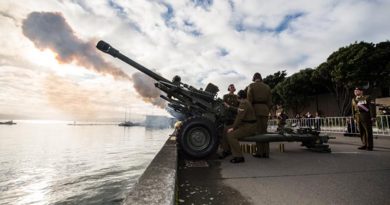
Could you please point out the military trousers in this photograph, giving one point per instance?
(245, 130)
(365, 130)
(261, 128)
(224, 141)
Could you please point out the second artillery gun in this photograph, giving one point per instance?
(203, 113)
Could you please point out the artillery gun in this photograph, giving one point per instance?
(203, 113)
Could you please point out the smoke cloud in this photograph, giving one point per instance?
(144, 85)
(48, 30)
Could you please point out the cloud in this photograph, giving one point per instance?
(205, 41)
(48, 30)
(7, 15)
(69, 97)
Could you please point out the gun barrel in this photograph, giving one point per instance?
(107, 48)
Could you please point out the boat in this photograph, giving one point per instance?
(11, 122)
(128, 123)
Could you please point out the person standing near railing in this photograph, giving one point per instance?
(317, 122)
(298, 119)
(363, 110)
(308, 119)
(281, 118)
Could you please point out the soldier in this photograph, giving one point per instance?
(231, 102)
(363, 110)
(244, 125)
(259, 95)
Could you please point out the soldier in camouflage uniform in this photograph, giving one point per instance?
(259, 95)
(244, 125)
(363, 110)
(231, 103)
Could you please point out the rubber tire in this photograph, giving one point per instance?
(201, 125)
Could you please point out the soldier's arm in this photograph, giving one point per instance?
(233, 109)
(240, 115)
(353, 108)
(249, 94)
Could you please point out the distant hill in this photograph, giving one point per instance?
(13, 117)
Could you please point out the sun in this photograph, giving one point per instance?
(47, 59)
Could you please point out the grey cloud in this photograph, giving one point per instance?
(49, 30)
(7, 15)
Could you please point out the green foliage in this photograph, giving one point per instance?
(272, 81)
(357, 64)
(276, 78)
(295, 91)
(363, 64)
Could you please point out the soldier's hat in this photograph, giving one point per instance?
(257, 76)
(241, 94)
(359, 88)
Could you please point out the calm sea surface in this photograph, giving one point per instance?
(56, 163)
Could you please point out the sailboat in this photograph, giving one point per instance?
(127, 123)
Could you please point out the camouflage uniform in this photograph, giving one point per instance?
(231, 113)
(363, 110)
(244, 125)
(259, 95)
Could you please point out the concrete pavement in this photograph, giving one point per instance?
(295, 176)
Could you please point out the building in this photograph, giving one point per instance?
(157, 121)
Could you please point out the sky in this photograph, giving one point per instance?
(50, 68)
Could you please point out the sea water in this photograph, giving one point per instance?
(44, 162)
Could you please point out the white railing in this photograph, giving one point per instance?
(343, 125)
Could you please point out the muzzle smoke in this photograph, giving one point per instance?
(49, 30)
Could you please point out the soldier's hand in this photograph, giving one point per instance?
(230, 130)
(373, 119)
(227, 105)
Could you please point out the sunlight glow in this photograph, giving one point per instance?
(45, 58)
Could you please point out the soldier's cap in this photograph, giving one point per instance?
(241, 94)
(359, 88)
(257, 76)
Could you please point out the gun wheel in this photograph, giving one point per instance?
(197, 137)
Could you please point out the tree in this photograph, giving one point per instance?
(295, 91)
(380, 62)
(272, 81)
(357, 64)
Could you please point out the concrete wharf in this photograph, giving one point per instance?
(296, 176)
